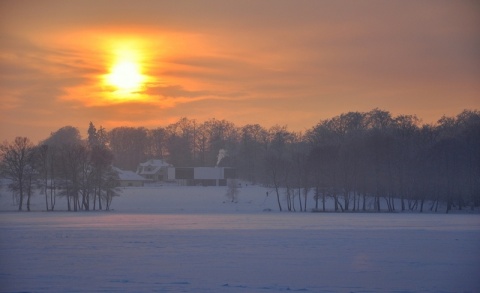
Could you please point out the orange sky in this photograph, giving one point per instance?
(268, 62)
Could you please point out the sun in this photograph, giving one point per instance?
(125, 74)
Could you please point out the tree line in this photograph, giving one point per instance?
(354, 158)
(62, 165)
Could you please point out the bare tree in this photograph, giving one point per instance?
(232, 190)
(252, 150)
(278, 165)
(110, 187)
(17, 159)
(55, 146)
(42, 167)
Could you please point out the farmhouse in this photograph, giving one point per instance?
(153, 170)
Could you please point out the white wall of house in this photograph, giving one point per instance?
(170, 173)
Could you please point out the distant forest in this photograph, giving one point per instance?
(350, 158)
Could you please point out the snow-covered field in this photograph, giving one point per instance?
(191, 239)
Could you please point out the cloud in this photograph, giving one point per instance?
(175, 91)
(33, 80)
(178, 94)
(26, 67)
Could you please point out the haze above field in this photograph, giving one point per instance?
(148, 63)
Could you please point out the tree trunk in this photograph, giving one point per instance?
(46, 197)
(52, 196)
(20, 204)
(75, 203)
(52, 201)
(289, 203)
(305, 195)
(100, 200)
(364, 205)
(323, 200)
(106, 201)
(278, 197)
(94, 198)
(358, 201)
(346, 200)
(354, 198)
(341, 207)
(300, 198)
(52, 191)
(29, 192)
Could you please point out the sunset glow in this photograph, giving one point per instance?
(148, 63)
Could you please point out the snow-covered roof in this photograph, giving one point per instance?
(155, 163)
(128, 175)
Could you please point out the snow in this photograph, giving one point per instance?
(155, 163)
(192, 239)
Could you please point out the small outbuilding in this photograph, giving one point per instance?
(128, 178)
